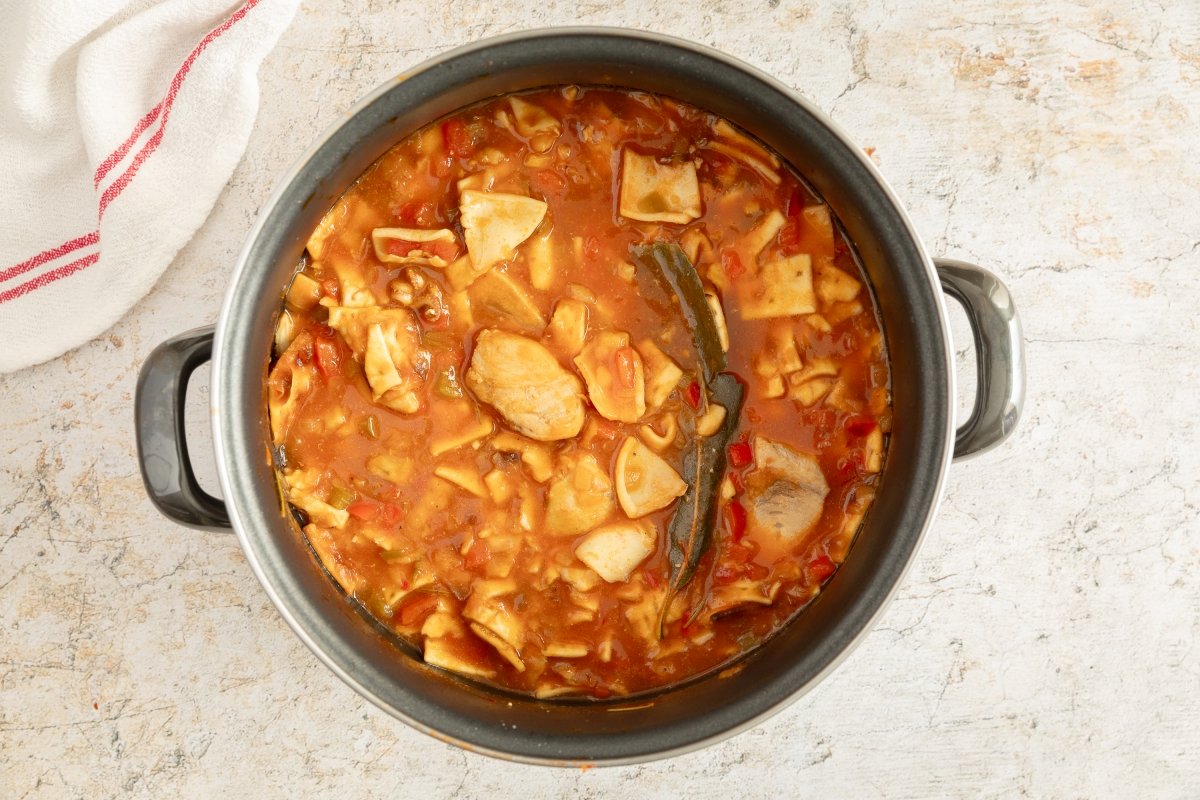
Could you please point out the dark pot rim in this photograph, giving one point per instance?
(238, 373)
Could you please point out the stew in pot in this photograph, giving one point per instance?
(580, 391)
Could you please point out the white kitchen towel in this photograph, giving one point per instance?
(120, 122)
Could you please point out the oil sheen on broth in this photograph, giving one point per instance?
(580, 391)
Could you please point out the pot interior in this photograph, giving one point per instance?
(677, 719)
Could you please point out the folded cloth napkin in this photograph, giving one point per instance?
(120, 122)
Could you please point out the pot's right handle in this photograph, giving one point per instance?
(1000, 356)
(162, 445)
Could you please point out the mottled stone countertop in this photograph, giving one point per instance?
(1045, 642)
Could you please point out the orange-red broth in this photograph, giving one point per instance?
(337, 428)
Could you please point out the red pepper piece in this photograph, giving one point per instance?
(789, 236)
(477, 556)
(735, 517)
(692, 395)
(363, 509)
(795, 203)
(732, 264)
(860, 425)
(740, 454)
(821, 568)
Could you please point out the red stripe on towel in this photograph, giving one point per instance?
(49, 277)
(49, 255)
(161, 110)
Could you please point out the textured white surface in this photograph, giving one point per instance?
(1045, 642)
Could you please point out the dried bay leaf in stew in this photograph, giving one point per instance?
(581, 392)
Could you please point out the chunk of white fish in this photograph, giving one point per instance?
(615, 550)
(786, 492)
(524, 382)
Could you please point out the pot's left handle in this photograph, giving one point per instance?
(162, 445)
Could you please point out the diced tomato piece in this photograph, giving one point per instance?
(363, 509)
(390, 514)
(789, 236)
(732, 264)
(692, 395)
(859, 425)
(327, 355)
(726, 573)
(448, 251)
(330, 288)
(399, 247)
(591, 248)
(418, 213)
(852, 464)
(477, 556)
(458, 139)
(624, 367)
(740, 454)
(821, 568)
(547, 181)
(735, 517)
(651, 578)
(417, 607)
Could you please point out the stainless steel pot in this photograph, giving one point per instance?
(907, 284)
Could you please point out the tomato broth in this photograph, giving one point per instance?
(580, 391)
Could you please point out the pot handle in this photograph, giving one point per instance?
(1000, 356)
(162, 445)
